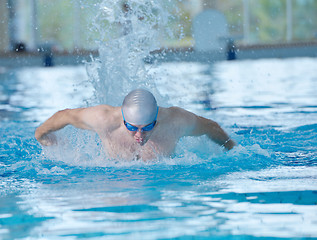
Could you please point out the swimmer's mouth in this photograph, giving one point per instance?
(140, 141)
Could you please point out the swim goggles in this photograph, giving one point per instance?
(144, 129)
(147, 128)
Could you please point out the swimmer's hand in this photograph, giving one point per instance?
(229, 144)
(47, 140)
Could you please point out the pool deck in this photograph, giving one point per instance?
(27, 59)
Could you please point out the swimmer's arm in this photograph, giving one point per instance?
(198, 126)
(204, 126)
(79, 118)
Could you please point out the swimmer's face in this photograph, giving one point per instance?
(140, 136)
(140, 133)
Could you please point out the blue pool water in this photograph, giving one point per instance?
(264, 188)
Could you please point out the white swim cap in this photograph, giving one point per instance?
(139, 107)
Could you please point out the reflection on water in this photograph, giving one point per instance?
(266, 187)
(268, 92)
(162, 202)
(36, 93)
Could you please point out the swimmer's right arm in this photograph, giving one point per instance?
(75, 117)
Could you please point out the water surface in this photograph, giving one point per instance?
(265, 187)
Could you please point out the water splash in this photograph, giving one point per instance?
(129, 31)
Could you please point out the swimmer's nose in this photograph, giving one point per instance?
(139, 132)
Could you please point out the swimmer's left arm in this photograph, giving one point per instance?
(204, 126)
(198, 126)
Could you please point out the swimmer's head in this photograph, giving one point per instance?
(139, 107)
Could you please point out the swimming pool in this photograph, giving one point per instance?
(265, 187)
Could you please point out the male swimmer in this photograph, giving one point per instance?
(139, 129)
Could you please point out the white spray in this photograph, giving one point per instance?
(129, 31)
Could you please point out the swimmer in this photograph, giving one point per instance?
(139, 129)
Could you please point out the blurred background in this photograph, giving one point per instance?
(67, 26)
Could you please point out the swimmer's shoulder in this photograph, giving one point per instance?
(104, 108)
(170, 110)
(177, 112)
(104, 115)
(180, 119)
(106, 111)
(178, 115)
